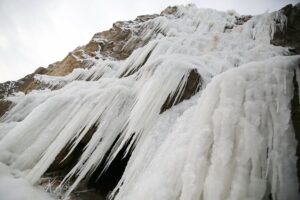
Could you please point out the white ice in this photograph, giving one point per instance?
(232, 140)
(13, 187)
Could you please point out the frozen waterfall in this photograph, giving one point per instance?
(229, 136)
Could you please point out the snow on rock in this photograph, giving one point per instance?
(203, 111)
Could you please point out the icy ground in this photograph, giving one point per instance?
(232, 140)
(14, 187)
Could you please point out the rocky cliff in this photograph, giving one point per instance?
(114, 44)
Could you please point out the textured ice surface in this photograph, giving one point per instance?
(233, 140)
(237, 142)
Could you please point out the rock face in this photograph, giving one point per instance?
(192, 87)
(25, 85)
(4, 106)
(117, 43)
(290, 37)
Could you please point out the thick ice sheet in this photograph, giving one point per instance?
(236, 143)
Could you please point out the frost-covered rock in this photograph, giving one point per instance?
(290, 36)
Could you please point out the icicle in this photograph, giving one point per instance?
(224, 151)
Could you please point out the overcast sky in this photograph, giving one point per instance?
(36, 33)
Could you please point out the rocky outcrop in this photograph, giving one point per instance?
(192, 86)
(116, 43)
(290, 36)
(25, 85)
(242, 19)
(169, 10)
(4, 106)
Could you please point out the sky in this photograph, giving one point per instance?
(36, 33)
